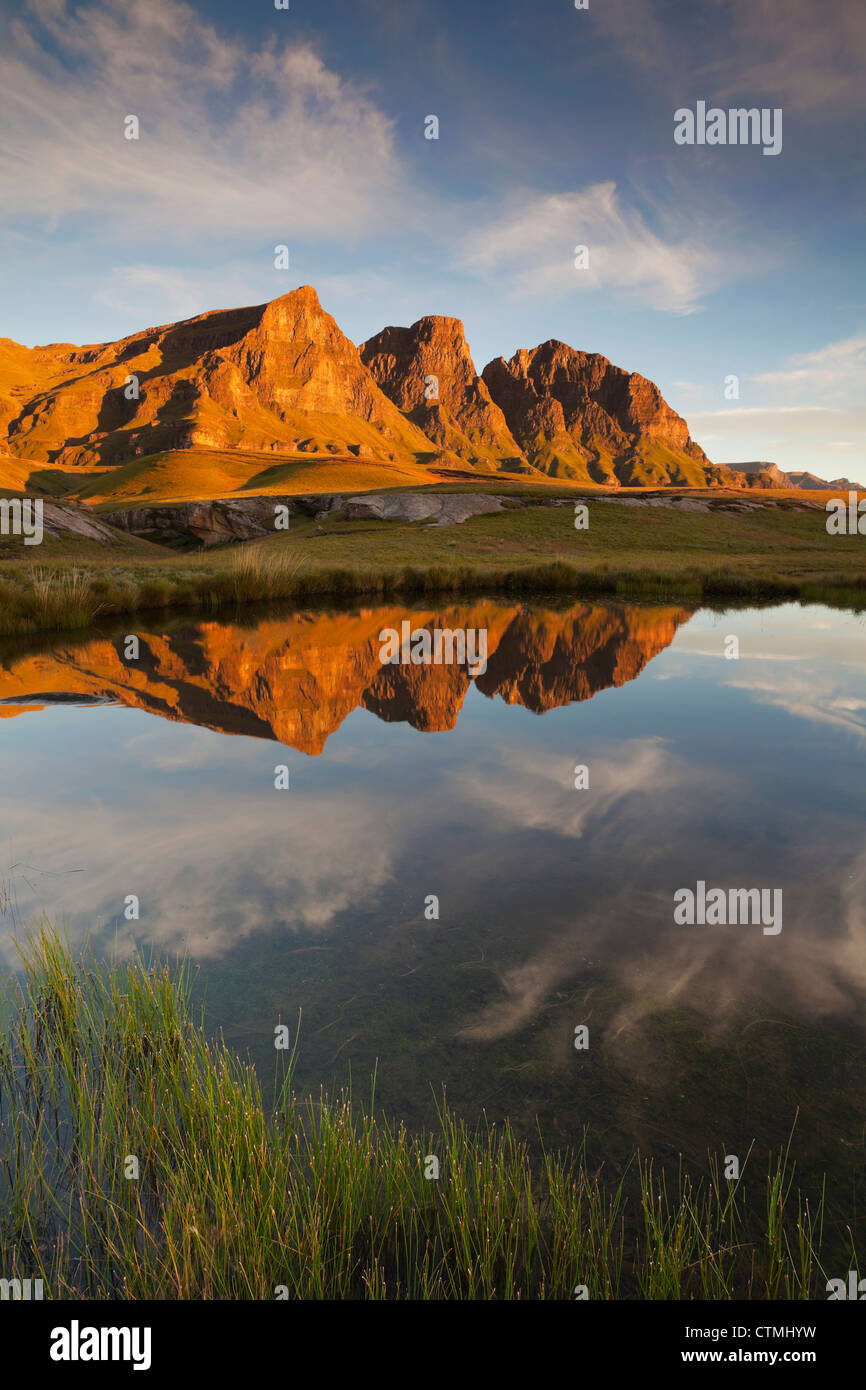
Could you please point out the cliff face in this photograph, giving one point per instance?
(576, 415)
(295, 680)
(428, 372)
(278, 376)
(282, 380)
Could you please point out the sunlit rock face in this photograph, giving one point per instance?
(428, 372)
(282, 379)
(576, 415)
(279, 376)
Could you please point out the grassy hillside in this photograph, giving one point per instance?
(651, 464)
(191, 475)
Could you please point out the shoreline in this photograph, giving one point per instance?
(69, 599)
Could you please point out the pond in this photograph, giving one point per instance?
(469, 882)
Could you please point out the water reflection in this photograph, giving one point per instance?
(555, 904)
(297, 678)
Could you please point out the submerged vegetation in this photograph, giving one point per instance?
(139, 1159)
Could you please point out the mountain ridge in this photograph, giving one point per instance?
(282, 381)
(771, 475)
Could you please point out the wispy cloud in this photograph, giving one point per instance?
(835, 368)
(810, 397)
(530, 248)
(736, 410)
(233, 138)
(155, 293)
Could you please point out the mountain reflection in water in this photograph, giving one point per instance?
(296, 678)
(556, 904)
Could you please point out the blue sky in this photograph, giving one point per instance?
(305, 127)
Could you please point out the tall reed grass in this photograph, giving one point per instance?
(239, 1198)
(58, 598)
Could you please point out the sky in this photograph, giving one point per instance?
(305, 127)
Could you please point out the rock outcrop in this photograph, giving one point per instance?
(760, 473)
(577, 416)
(437, 508)
(428, 372)
(225, 521)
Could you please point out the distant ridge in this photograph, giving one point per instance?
(771, 475)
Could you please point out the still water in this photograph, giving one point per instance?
(156, 778)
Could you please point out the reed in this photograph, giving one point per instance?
(56, 599)
(319, 1198)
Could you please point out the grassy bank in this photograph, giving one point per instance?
(236, 1198)
(773, 553)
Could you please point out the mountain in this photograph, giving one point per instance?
(297, 678)
(279, 377)
(428, 372)
(763, 474)
(577, 416)
(809, 480)
(276, 398)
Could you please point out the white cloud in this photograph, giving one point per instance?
(233, 138)
(529, 247)
(211, 871)
(811, 697)
(837, 368)
(736, 410)
(809, 395)
(537, 792)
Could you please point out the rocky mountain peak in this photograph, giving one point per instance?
(428, 372)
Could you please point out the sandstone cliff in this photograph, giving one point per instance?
(428, 372)
(279, 376)
(281, 383)
(577, 416)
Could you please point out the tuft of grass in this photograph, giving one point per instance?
(256, 573)
(317, 1198)
(61, 598)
